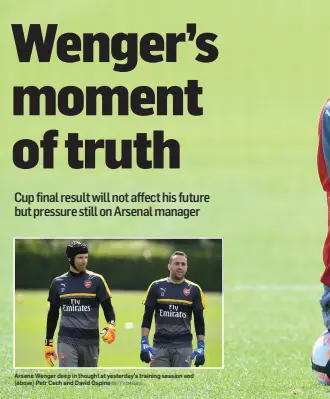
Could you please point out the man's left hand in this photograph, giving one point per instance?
(109, 333)
(199, 354)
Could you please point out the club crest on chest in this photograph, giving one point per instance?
(87, 283)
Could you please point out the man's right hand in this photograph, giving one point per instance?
(146, 350)
(50, 351)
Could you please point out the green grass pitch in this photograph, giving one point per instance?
(272, 346)
(31, 313)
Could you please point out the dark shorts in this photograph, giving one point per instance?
(77, 355)
(172, 357)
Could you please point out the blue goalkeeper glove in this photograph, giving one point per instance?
(198, 353)
(146, 350)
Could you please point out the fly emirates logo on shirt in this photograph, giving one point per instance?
(173, 311)
(76, 307)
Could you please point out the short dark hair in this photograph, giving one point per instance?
(178, 253)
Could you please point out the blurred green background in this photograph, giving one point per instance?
(253, 151)
(125, 264)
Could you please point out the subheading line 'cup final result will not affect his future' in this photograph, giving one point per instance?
(40, 197)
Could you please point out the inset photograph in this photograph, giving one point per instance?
(118, 303)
